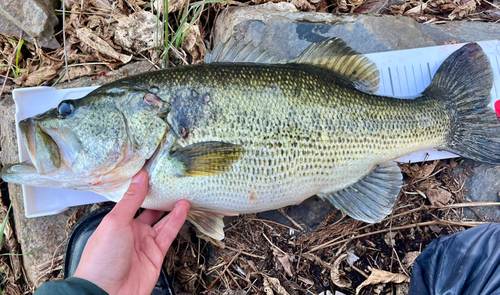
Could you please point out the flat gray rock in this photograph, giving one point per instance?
(482, 186)
(35, 17)
(285, 33)
(45, 233)
(10, 29)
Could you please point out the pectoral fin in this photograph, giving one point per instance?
(208, 158)
(208, 223)
(372, 198)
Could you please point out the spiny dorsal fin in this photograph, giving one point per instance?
(208, 223)
(335, 55)
(331, 53)
(208, 158)
(235, 50)
(372, 198)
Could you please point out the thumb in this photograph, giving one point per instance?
(133, 197)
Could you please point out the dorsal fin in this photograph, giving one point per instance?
(335, 55)
(331, 53)
(235, 50)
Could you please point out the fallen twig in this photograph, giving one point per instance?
(223, 271)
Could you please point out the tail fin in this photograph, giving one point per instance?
(464, 82)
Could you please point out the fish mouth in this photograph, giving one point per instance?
(42, 149)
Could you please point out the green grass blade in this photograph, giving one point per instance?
(4, 223)
(22, 254)
(179, 32)
(19, 47)
(13, 71)
(59, 79)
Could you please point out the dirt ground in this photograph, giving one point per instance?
(258, 256)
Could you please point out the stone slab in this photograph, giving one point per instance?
(10, 29)
(35, 17)
(482, 186)
(287, 33)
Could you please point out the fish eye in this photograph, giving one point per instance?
(65, 109)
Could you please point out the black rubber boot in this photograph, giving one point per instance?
(78, 238)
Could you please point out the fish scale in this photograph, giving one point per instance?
(297, 143)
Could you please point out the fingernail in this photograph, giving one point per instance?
(138, 177)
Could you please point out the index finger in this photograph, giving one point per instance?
(133, 198)
(168, 228)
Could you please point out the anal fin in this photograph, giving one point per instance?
(372, 198)
(208, 223)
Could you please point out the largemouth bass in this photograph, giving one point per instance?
(236, 136)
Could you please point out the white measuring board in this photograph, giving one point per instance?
(404, 74)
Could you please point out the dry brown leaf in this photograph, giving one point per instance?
(398, 9)
(39, 76)
(106, 5)
(356, 2)
(275, 285)
(267, 287)
(419, 9)
(437, 3)
(342, 6)
(442, 5)
(435, 228)
(138, 31)
(304, 5)
(77, 214)
(306, 281)
(322, 6)
(410, 258)
(193, 43)
(284, 259)
(234, 292)
(438, 196)
(96, 43)
(337, 274)
(419, 170)
(173, 5)
(382, 276)
(5, 268)
(389, 238)
(465, 7)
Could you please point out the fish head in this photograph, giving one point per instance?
(92, 143)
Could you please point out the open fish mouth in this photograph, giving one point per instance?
(42, 149)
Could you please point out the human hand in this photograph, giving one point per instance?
(124, 255)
